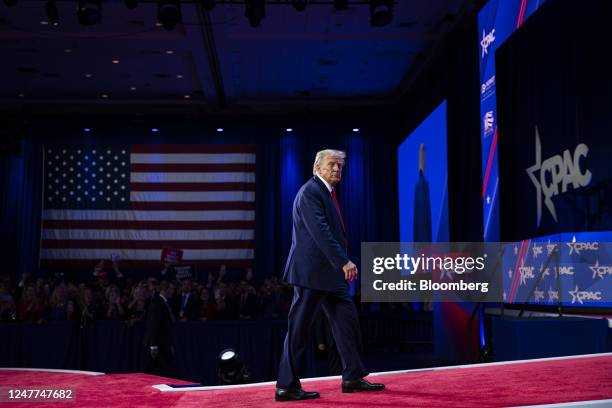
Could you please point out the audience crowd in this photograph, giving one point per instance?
(110, 294)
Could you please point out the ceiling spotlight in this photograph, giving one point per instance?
(10, 3)
(131, 4)
(169, 13)
(255, 11)
(341, 4)
(52, 14)
(208, 5)
(299, 5)
(89, 12)
(381, 12)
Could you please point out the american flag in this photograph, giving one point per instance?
(135, 200)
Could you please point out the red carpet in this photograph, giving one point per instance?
(529, 383)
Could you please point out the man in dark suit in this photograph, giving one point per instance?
(189, 306)
(158, 335)
(318, 267)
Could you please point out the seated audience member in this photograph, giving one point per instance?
(29, 307)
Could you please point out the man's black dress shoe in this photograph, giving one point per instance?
(361, 385)
(294, 394)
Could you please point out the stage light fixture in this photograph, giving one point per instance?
(207, 5)
(231, 369)
(131, 4)
(89, 12)
(299, 5)
(341, 4)
(381, 12)
(52, 13)
(169, 13)
(255, 11)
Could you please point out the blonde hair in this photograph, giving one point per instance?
(323, 154)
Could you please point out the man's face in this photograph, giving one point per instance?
(330, 169)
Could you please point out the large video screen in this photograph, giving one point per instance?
(555, 177)
(497, 20)
(422, 181)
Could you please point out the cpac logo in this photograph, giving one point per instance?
(582, 246)
(526, 273)
(489, 121)
(601, 270)
(550, 248)
(565, 270)
(537, 250)
(538, 295)
(487, 39)
(552, 295)
(580, 295)
(560, 169)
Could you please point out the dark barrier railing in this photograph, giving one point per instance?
(116, 347)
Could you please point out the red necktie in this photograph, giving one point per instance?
(335, 199)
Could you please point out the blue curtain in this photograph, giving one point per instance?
(20, 203)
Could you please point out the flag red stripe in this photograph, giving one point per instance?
(88, 264)
(192, 168)
(193, 148)
(148, 225)
(192, 206)
(144, 244)
(192, 186)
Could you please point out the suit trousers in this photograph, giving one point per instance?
(342, 315)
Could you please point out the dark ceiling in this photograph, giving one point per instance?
(319, 59)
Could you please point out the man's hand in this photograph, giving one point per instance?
(350, 271)
(154, 352)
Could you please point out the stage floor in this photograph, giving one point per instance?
(573, 381)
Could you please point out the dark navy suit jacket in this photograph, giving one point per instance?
(318, 247)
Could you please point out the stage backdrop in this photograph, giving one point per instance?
(281, 161)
